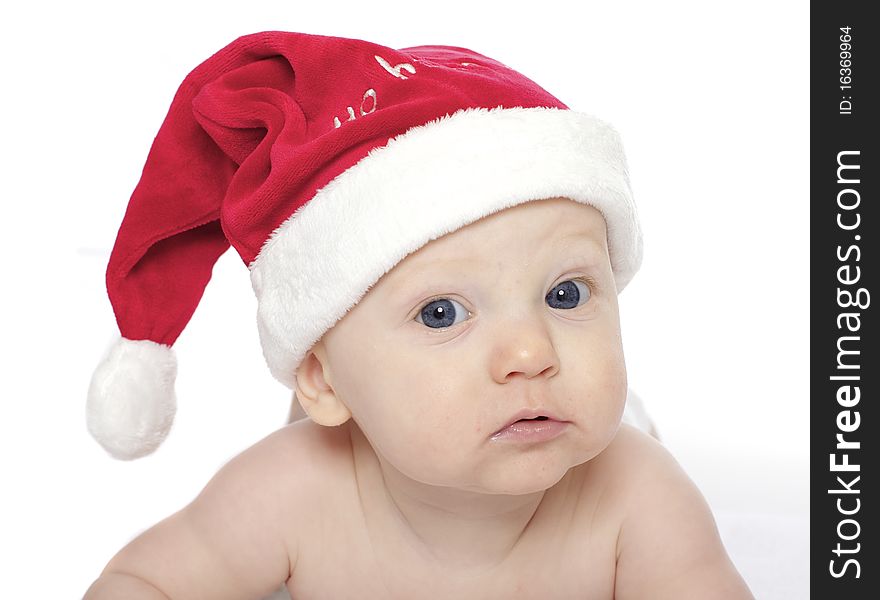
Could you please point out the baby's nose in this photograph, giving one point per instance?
(523, 349)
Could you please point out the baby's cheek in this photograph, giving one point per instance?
(430, 420)
(608, 364)
(616, 380)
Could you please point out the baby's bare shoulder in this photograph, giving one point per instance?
(299, 467)
(668, 545)
(633, 463)
(304, 450)
(240, 536)
(634, 449)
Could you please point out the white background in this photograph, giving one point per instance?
(712, 105)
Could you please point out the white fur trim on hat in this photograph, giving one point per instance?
(131, 402)
(427, 182)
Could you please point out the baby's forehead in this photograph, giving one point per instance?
(516, 234)
(535, 224)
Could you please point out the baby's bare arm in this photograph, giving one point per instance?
(233, 541)
(668, 545)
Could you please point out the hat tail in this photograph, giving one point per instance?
(165, 251)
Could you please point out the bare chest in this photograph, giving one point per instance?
(364, 580)
(341, 562)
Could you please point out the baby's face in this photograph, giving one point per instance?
(517, 310)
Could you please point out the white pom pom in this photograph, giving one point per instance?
(131, 402)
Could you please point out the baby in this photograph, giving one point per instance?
(449, 324)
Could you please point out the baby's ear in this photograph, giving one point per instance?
(315, 392)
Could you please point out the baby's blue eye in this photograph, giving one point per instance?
(444, 312)
(440, 313)
(568, 294)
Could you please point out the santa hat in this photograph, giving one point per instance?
(325, 161)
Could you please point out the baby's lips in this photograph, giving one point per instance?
(528, 413)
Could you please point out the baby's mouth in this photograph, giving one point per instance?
(529, 430)
(526, 415)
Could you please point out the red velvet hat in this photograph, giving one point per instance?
(325, 161)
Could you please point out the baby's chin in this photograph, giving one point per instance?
(519, 480)
(526, 485)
